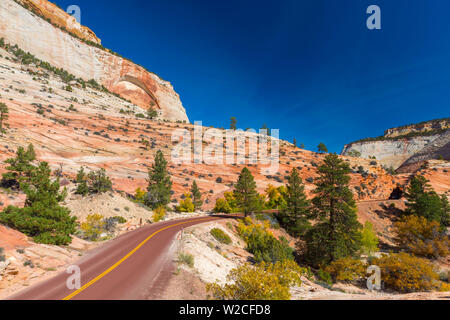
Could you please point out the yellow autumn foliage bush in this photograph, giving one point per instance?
(93, 227)
(422, 237)
(140, 195)
(186, 205)
(404, 272)
(346, 269)
(222, 206)
(260, 282)
(159, 214)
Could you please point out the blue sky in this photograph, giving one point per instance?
(310, 68)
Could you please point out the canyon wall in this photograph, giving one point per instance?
(49, 43)
(406, 147)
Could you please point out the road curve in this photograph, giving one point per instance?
(122, 269)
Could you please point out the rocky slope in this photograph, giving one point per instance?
(406, 147)
(212, 261)
(96, 129)
(49, 43)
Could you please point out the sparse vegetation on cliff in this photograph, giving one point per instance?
(94, 182)
(42, 217)
(4, 115)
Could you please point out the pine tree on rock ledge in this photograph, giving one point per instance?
(337, 235)
(160, 184)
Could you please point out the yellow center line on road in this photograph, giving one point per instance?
(129, 254)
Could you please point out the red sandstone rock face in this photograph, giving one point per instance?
(86, 128)
(48, 43)
(93, 133)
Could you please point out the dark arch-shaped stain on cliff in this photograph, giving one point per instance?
(140, 84)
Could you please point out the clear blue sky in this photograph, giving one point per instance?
(308, 67)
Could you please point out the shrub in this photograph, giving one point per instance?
(262, 244)
(325, 277)
(346, 269)
(120, 219)
(159, 214)
(186, 258)
(222, 206)
(152, 113)
(422, 237)
(186, 205)
(260, 282)
(99, 182)
(140, 195)
(28, 263)
(93, 227)
(220, 236)
(406, 273)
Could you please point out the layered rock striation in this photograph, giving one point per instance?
(406, 147)
(35, 34)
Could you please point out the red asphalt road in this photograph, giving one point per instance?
(132, 279)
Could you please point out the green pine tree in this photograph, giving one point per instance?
(160, 184)
(82, 187)
(233, 123)
(322, 147)
(423, 201)
(42, 217)
(337, 235)
(245, 192)
(196, 196)
(98, 181)
(19, 169)
(294, 216)
(4, 115)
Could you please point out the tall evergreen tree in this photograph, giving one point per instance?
(196, 196)
(294, 216)
(423, 201)
(160, 184)
(294, 142)
(245, 192)
(322, 147)
(337, 235)
(4, 115)
(19, 169)
(233, 123)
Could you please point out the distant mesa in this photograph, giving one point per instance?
(405, 148)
